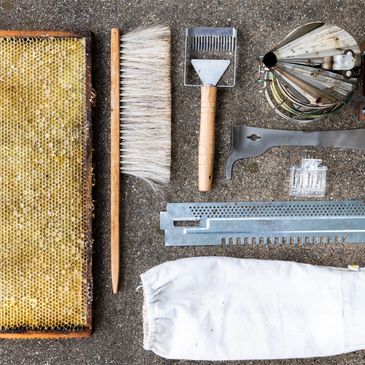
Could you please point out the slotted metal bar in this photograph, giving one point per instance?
(295, 222)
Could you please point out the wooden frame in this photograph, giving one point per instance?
(88, 175)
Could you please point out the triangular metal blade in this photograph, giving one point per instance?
(210, 71)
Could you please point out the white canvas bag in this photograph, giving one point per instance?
(220, 308)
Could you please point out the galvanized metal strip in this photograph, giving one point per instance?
(294, 222)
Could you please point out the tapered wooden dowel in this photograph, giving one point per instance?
(114, 159)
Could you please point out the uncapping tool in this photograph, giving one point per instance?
(211, 52)
(249, 142)
(290, 222)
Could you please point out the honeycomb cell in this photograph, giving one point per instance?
(43, 266)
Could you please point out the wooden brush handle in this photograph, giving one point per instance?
(207, 137)
(114, 159)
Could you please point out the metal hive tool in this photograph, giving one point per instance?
(294, 222)
(247, 142)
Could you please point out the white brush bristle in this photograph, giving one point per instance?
(145, 94)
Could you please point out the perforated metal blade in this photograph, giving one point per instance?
(292, 222)
(210, 56)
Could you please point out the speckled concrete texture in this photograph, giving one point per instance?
(117, 337)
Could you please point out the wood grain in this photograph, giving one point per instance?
(114, 158)
(207, 137)
(43, 33)
(45, 335)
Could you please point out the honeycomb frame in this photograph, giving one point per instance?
(37, 326)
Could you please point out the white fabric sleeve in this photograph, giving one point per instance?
(221, 308)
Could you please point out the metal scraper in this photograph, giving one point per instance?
(210, 62)
(249, 142)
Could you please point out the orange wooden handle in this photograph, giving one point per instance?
(207, 137)
(114, 158)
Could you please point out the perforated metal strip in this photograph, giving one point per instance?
(304, 222)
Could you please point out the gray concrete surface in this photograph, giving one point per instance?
(117, 337)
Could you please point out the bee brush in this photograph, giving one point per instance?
(140, 116)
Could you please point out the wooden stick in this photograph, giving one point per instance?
(207, 137)
(114, 158)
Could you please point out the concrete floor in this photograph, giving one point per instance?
(117, 337)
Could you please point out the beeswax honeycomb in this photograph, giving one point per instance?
(43, 249)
